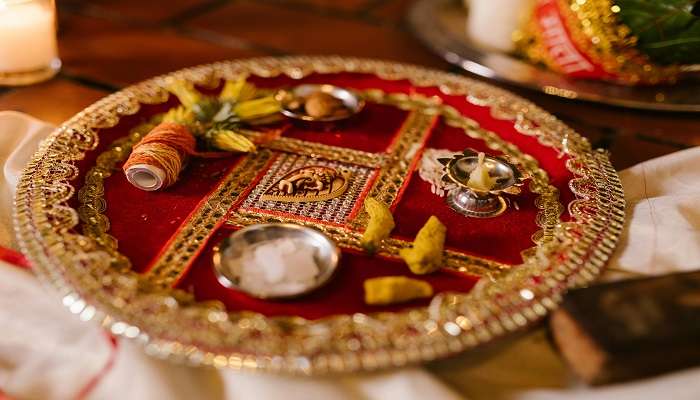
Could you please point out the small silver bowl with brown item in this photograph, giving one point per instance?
(319, 103)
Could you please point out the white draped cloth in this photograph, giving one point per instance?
(48, 353)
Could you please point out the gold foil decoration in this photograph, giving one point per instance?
(312, 183)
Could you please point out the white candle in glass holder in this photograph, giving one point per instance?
(491, 23)
(27, 36)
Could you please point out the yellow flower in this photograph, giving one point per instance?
(395, 289)
(380, 224)
(426, 254)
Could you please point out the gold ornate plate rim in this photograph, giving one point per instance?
(573, 254)
(435, 23)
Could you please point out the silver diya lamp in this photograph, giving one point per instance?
(475, 202)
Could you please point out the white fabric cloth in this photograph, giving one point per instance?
(47, 353)
(20, 135)
(663, 216)
(42, 347)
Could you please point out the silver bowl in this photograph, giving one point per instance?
(228, 254)
(292, 99)
(470, 204)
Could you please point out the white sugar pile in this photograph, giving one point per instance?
(279, 267)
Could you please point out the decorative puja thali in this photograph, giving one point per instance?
(144, 262)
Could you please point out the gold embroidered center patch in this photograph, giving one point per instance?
(307, 184)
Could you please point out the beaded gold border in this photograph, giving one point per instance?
(172, 324)
(319, 150)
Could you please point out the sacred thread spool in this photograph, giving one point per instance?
(156, 161)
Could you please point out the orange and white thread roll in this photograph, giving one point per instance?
(156, 161)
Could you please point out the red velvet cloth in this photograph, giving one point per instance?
(131, 210)
(548, 158)
(373, 130)
(143, 222)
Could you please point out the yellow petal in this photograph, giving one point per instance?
(185, 92)
(395, 289)
(238, 90)
(380, 224)
(227, 140)
(257, 108)
(179, 115)
(426, 254)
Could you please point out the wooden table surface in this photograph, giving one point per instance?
(108, 44)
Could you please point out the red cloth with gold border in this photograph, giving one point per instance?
(144, 222)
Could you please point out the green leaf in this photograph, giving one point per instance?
(205, 109)
(667, 30)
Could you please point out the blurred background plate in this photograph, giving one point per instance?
(441, 25)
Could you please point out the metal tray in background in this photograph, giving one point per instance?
(441, 25)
